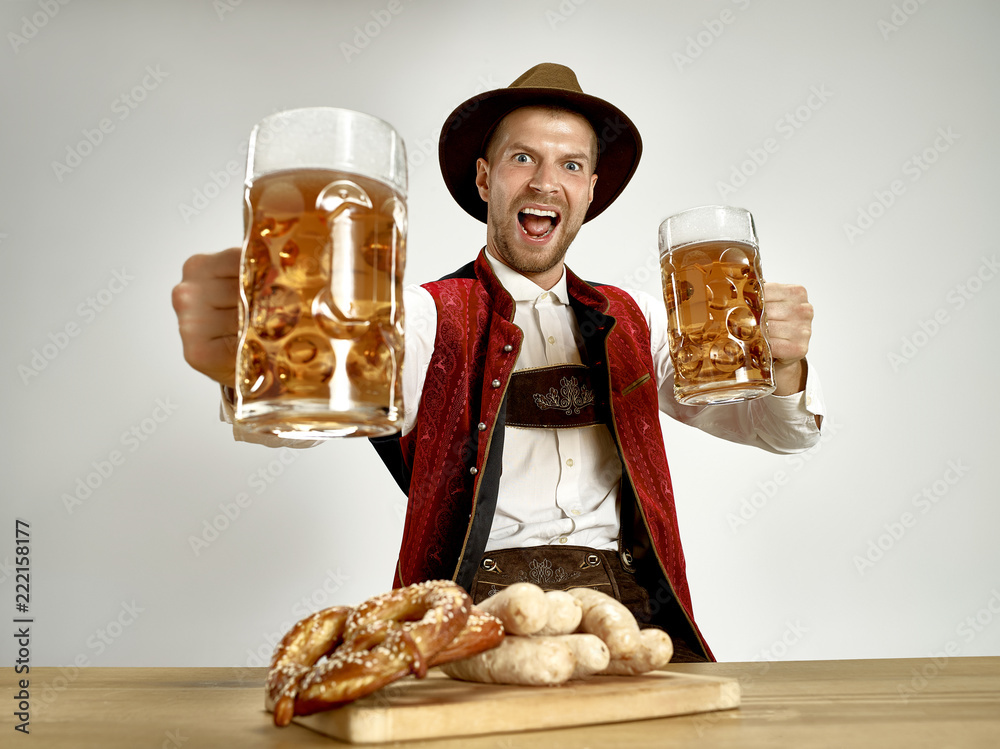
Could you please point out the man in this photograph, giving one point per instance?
(531, 445)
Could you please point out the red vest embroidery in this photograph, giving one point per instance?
(450, 461)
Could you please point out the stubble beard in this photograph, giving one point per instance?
(526, 260)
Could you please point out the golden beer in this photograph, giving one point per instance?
(715, 306)
(321, 317)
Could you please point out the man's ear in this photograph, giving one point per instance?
(483, 179)
(593, 181)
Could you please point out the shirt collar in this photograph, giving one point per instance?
(523, 289)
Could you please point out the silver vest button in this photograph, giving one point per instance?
(508, 348)
(495, 383)
(482, 426)
(473, 470)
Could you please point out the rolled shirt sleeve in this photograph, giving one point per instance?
(776, 423)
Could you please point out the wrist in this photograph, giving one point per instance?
(789, 376)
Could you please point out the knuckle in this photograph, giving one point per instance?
(193, 266)
(180, 297)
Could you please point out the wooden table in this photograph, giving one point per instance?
(947, 702)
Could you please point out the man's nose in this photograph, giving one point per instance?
(544, 180)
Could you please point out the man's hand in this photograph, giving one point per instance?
(789, 327)
(206, 302)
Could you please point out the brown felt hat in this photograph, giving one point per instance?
(467, 129)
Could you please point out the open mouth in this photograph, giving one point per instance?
(537, 223)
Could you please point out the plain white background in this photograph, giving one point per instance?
(861, 134)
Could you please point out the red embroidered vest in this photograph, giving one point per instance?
(449, 463)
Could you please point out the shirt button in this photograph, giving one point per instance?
(508, 348)
(482, 426)
(552, 339)
(569, 462)
(563, 540)
(574, 512)
(473, 470)
(495, 383)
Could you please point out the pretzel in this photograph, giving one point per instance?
(380, 641)
(481, 632)
(303, 645)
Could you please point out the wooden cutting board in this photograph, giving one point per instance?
(438, 706)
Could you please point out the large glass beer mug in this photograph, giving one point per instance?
(712, 286)
(321, 315)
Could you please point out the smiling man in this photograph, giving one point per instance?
(531, 447)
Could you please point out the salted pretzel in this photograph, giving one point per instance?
(303, 645)
(482, 631)
(384, 639)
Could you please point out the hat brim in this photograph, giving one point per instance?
(463, 141)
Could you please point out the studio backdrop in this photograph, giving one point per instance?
(862, 135)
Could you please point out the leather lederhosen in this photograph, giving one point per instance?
(563, 397)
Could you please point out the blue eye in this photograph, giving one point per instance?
(573, 166)
(521, 158)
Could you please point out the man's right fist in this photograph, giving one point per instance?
(206, 302)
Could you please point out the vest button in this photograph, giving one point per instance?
(495, 383)
(473, 471)
(508, 348)
(482, 426)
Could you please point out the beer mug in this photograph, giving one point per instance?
(321, 314)
(715, 304)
